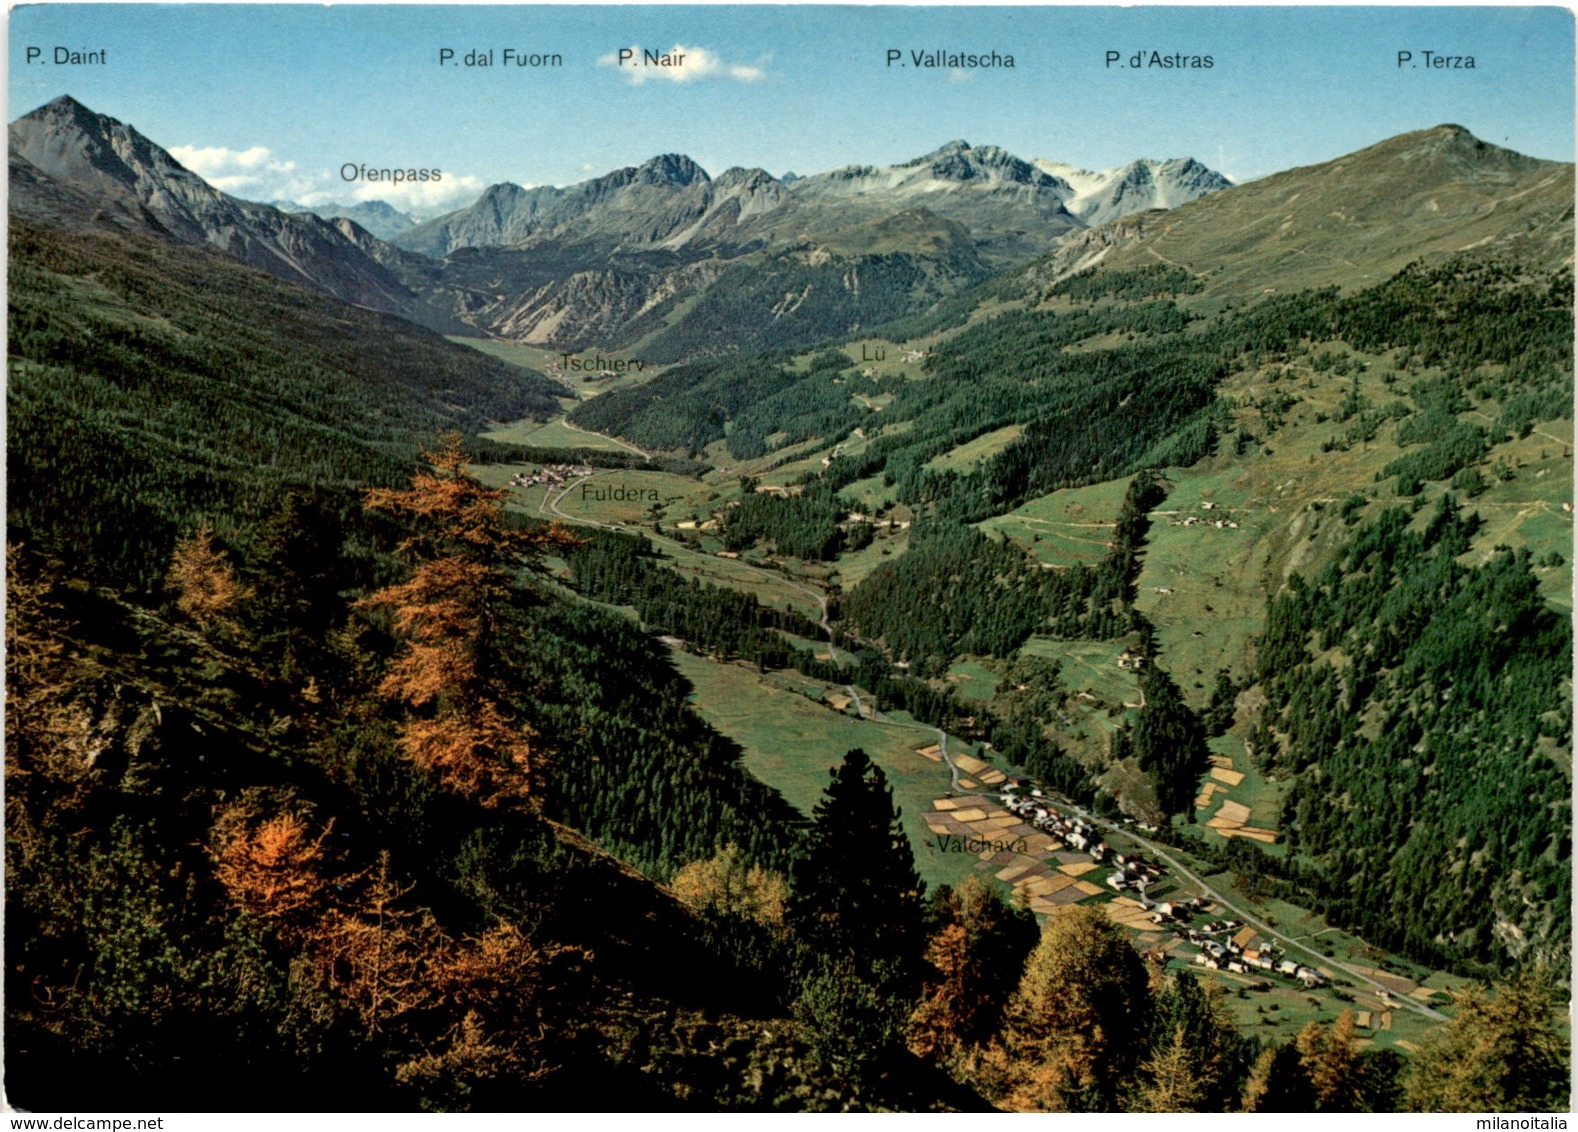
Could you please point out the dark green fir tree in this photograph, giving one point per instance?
(855, 891)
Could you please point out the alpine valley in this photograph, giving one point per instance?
(973, 634)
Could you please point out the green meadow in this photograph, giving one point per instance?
(792, 743)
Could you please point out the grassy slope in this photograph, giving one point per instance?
(977, 451)
(1285, 494)
(1354, 221)
(791, 742)
(551, 434)
(1066, 528)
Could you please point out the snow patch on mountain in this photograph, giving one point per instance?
(1098, 197)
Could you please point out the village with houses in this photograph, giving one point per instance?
(550, 474)
(1053, 858)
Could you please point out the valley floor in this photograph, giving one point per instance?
(794, 729)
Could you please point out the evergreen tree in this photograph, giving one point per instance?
(1169, 741)
(855, 891)
(1278, 1082)
(854, 1017)
(298, 552)
(1191, 1029)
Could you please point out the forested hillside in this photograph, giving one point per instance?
(1208, 636)
(987, 596)
(373, 920)
(1436, 695)
(153, 385)
(797, 299)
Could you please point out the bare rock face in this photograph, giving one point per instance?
(636, 208)
(109, 160)
(624, 256)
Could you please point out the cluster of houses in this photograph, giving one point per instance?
(1219, 524)
(1176, 911)
(1222, 943)
(1135, 872)
(911, 356)
(550, 473)
(1077, 833)
(879, 524)
(1228, 954)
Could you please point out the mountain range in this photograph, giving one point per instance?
(1260, 504)
(660, 255)
(380, 218)
(671, 203)
(667, 260)
(1350, 222)
(1136, 187)
(139, 184)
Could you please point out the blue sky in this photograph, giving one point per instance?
(270, 100)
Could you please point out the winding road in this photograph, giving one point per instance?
(1259, 924)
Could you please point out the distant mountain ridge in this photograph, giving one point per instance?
(1136, 187)
(105, 158)
(665, 202)
(627, 258)
(1013, 206)
(380, 218)
(1350, 222)
(665, 258)
(635, 246)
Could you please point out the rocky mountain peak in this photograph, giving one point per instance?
(671, 169)
(1100, 197)
(90, 152)
(71, 142)
(947, 149)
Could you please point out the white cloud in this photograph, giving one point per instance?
(687, 64)
(424, 198)
(258, 174)
(253, 174)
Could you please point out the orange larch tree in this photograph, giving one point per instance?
(47, 730)
(462, 547)
(274, 868)
(205, 584)
(380, 954)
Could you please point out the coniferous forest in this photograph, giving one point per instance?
(1237, 620)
